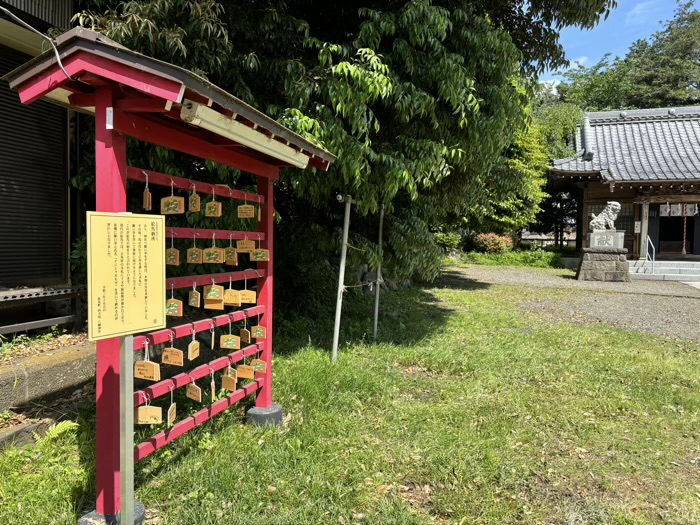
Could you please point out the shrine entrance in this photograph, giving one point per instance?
(671, 235)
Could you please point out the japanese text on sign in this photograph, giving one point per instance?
(126, 274)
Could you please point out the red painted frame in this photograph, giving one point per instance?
(111, 174)
(143, 111)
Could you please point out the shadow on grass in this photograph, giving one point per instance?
(400, 321)
(457, 280)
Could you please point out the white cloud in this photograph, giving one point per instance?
(641, 12)
(581, 61)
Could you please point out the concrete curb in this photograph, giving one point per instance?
(41, 375)
(23, 434)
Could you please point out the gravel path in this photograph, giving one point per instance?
(667, 309)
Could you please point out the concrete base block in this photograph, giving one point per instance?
(265, 416)
(93, 518)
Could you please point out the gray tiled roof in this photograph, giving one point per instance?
(639, 145)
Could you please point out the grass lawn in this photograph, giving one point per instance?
(477, 412)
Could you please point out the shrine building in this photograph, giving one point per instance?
(647, 160)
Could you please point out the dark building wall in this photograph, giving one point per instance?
(33, 185)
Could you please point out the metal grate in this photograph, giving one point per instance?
(33, 185)
(56, 12)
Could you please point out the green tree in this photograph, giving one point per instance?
(661, 71)
(417, 98)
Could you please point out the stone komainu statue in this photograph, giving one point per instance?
(605, 220)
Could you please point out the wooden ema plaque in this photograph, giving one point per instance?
(172, 205)
(230, 381)
(173, 308)
(194, 299)
(214, 297)
(172, 414)
(148, 415)
(213, 256)
(258, 332)
(173, 356)
(246, 211)
(213, 209)
(147, 200)
(245, 372)
(147, 370)
(245, 335)
(194, 203)
(249, 297)
(232, 297)
(172, 257)
(259, 365)
(193, 350)
(260, 255)
(231, 256)
(245, 246)
(194, 256)
(230, 342)
(194, 392)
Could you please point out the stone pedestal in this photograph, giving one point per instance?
(606, 239)
(604, 264)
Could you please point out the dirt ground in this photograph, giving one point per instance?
(668, 309)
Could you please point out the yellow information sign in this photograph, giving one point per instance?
(126, 274)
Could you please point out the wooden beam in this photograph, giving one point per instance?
(143, 105)
(180, 140)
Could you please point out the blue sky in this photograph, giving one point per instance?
(630, 21)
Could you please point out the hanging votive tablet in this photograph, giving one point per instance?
(245, 246)
(260, 255)
(194, 256)
(194, 392)
(194, 203)
(172, 205)
(148, 415)
(172, 356)
(259, 365)
(193, 350)
(147, 370)
(213, 256)
(194, 299)
(258, 332)
(229, 380)
(245, 372)
(232, 297)
(231, 256)
(245, 335)
(172, 257)
(213, 209)
(147, 200)
(246, 211)
(230, 342)
(214, 297)
(173, 308)
(249, 297)
(172, 414)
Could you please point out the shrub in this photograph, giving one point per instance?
(449, 242)
(493, 243)
(529, 258)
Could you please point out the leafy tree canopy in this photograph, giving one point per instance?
(419, 99)
(661, 71)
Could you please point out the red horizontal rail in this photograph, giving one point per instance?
(164, 387)
(146, 448)
(220, 235)
(185, 330)
(161, 179)
(176, 283)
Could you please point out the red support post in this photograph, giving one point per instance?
(265, 225)
(110, 181)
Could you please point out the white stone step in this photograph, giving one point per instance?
(666, 270)
(666, 264)
(666, 277)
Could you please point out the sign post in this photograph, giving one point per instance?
(126, 294)
(126, 429)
